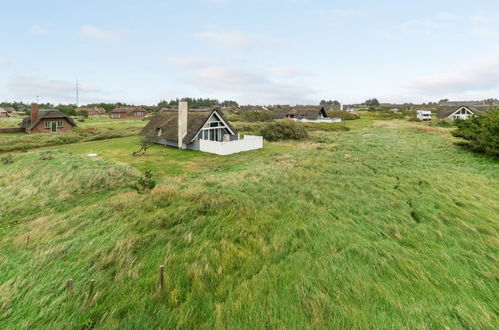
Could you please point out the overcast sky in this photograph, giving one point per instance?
(252, 51)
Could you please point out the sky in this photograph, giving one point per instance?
(251, 51)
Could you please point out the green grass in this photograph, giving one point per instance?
(104, 122)
(10, 122)
(381, 227)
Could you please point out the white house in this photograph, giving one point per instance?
(461, 112)
(201, 129)
(423, 114)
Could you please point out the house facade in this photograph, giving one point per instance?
(4, 113)
(201, 129)
(305, 114)
(91, 112)
(47, 121)
(128, 112)
(461, 112)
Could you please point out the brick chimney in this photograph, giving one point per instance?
(34, 112)
(182, 124)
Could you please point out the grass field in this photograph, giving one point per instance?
(384, 226)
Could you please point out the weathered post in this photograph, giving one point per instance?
(69, 285)
(161, 277)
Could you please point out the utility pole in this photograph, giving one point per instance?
(77, 93)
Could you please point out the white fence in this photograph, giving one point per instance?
(249, 142)
(322, 120)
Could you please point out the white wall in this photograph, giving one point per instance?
(250, 142)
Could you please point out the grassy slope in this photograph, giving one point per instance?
(371, 228)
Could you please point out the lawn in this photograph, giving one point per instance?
(10, 122)
(387, 226)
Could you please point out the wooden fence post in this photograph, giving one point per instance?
(69, 285)
(27, 240)
(161, 277)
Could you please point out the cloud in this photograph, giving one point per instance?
(234, 39)
(480, 75)
(98, 33)
(252, 84)
(38, 30)
(3, 61)
(27, 87)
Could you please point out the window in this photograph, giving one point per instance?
(60, 124)
(47, 124)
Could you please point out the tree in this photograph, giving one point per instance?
(145, 143)
(372, 102)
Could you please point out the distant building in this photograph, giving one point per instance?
(47, 121)
(4, 113)
(128, 112)
(95, 111)
(460, 112)
(305, 114)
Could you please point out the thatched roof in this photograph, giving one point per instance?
(307, 112)
(444, 112)
(167, 121)
(46, 114)
(7, 109)
(96, 109)
(128, 110)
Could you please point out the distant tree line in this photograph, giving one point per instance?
(330, 103)
(196, 103)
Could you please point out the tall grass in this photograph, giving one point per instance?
(355, 233)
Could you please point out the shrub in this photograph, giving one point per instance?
(344, 115)
(443, 123)
(481, 133)
(284, 130)
(144, 183)
(416, 119)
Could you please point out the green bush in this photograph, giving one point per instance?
(284, 130)
(144, 183)
(480, 132)
(443, 123)
(344, 115)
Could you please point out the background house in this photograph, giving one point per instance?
(460, 112)
(95, 111)
(128, 112)
(201, 129)
(47, 121)
(305, 114)
(4, 113)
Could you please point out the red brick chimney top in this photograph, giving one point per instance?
(34, 112)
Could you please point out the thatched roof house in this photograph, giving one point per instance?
(312, 114)
(4, 113)
(47, 121)
(92, 111)
(198, 129)
(461, 112)
(128, 112)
